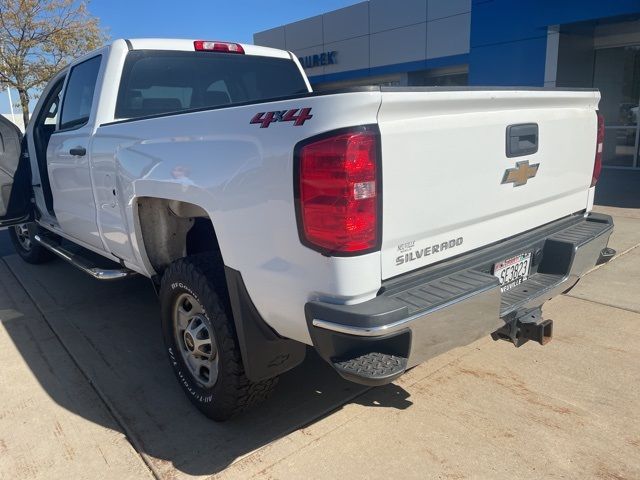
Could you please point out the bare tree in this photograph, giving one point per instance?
(38, 38)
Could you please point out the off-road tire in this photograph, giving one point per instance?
(34, 253)
(202, 277)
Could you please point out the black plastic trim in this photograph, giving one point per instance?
(606, 254)
(518, 131)
(372, 128)
(371, 368)
(265, 354)
(40, 154)
(334, 346)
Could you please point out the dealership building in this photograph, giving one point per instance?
(533, 43)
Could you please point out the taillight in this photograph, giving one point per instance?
(597, 164)
(207, 46)
(338, 192)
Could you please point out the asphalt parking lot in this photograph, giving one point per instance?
(86, 390)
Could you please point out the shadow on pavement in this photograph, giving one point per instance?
(618, 188)
(5, 244)
(112, 331)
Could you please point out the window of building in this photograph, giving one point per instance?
(617, 76)
(395, 80)
(457, 76)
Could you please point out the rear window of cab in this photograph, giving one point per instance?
(158, 82)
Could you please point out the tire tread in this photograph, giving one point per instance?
(204, 274)
(37, 255)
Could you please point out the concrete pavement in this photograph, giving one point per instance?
(52, 422)
(86, 391)
(112, 331)
(488, 411)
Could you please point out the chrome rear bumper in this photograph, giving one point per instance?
(423, 314)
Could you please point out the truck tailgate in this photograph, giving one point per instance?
(444, 161)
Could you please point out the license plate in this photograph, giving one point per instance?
(513, 271)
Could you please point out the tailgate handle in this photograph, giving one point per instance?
(522, 139)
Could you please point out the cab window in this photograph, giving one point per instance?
(160, 82)
(78, 97)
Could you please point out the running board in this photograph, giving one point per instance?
(83, 263)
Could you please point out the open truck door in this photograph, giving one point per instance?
(15, 177)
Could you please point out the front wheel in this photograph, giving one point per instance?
(22, 238)
(201, 341)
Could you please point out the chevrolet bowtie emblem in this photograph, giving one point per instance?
(521, 174)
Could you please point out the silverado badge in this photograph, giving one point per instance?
(521, 174)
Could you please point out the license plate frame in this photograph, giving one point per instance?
(513, 271)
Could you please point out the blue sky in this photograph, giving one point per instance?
(213, 19)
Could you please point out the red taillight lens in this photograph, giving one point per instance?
(226, 47)
(597, 165)
(339, 193)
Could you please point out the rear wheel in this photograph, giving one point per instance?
(25, 245)
(201, 341)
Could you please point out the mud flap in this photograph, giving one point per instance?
(265, 354)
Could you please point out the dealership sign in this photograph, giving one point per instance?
(324, 58)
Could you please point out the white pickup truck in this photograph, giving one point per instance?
(381, 226)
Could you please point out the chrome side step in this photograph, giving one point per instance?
(83, 263)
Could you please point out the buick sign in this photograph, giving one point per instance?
(324, 58)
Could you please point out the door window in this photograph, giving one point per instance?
(76, 106)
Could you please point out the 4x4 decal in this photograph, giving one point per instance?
(267, 118)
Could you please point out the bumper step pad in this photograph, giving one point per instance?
(443, 290)
(371, 369)
(532, 286)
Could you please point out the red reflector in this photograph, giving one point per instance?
(597, 164)
(339, 189)
(207, 46)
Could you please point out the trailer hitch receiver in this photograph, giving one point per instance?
(530, 326)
